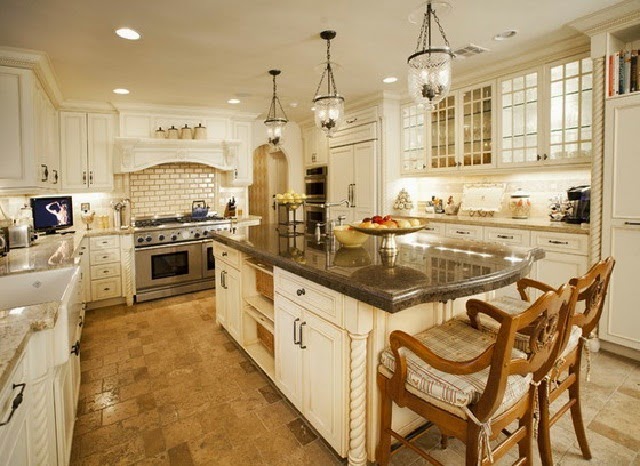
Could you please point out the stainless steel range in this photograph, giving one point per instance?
(174, 254)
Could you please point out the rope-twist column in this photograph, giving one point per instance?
(358, 401)
(597, 158)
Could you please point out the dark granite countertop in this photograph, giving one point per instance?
(429, 268)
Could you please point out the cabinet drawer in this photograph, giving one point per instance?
(508, 236)
(8, 394)
(226, 254)
(361, 117)
(105, 256)
(435, 229)
(105, 288)
(561, 242)
(353, 135)
(104, 242)
(105, 271)
(316, 298)
(464, 231)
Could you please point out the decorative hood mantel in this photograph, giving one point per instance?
(140, 153)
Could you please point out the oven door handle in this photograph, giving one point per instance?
(174, 245)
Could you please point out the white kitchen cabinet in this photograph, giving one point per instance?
(86, 142)
(316, 148)
(310, 368)
(228, 290)
(107, 281)
(242, 173)
(414, 151)
(352, 176)
(15, 445)
(29, 161)
(621, 220)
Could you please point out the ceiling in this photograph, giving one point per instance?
(203, 52)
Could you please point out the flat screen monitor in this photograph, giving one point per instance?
(52, 213)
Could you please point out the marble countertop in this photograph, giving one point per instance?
(430, 268)
(532, 224)
(51, 251)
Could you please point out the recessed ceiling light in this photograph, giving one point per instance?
(504, 35)
(293, 104)
(121, 91)
(233, 101)
(390, 79)
(129, 34)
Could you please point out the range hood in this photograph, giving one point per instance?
(140, 153)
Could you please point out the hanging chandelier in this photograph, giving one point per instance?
(430, 67)
(275, 125)
(329, 108)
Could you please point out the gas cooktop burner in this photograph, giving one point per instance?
(146, 222)
(153, 231)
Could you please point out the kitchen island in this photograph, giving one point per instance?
(330, 311)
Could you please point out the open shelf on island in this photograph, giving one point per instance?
(260, 266)
(262, 357)
(263, 307)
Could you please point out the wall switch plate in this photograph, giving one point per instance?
(85, 206)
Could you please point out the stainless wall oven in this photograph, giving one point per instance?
(315, 184)
(314, 214)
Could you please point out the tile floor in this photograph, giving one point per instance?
(161, 385)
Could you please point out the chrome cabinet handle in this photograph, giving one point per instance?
(45, 173)
(463, 232)
(429, 229)
(223, 280)
(55, 177)
(505, 236)
(553, 241)
(91, 177)
(301, 292)
(17, 401)
(84, 176)
(632, 223)
(300, 342)
(353, 195)
(295, 332)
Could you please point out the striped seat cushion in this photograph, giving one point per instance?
(455, 340)
(516, 306)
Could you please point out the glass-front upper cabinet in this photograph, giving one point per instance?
(413, 139)
(443, 134)
(570, 110)
(519, 116)
(477, 126)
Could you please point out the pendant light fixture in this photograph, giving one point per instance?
(430, 67)
(275, 124)
(328, 108)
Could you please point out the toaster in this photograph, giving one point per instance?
(19, 236)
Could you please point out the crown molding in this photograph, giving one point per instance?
(617, 17)
(87, 106)
(182, 110)
(39, 63)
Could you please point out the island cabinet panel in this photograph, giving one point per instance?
(15, 448)
(233, 302)
(221, 302)
(288, 358)
(228, 290)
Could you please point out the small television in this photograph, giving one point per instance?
(52, 213)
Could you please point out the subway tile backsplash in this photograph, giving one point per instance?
(171, 188)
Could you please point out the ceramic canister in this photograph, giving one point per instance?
(200, 132)
(186, 132)
(520, 205)
(160, 134)
(172, 133)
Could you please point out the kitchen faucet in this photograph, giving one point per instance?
(330, 222)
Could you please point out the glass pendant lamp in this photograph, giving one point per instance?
(430, 67)
(328, 108)
(275, 124)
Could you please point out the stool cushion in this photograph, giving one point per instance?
(516, 306)
(455, 340)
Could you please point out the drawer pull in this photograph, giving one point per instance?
(300, 292)
(505, 236)
(553, 241)
(107, 289)
(463, 232)
(17, 401)
(105, 257)
(429, 229)
(105, 271)
(224, 253)
(632, 223)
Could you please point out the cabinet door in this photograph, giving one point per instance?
(364, 180)
(413, 153)
(341, 173)
(73, 145)
(14, 440)
(442, 139)
(519, 120)
(477, 126)
(52, 143)
(310, 146)
(100, 150)
(557, 268)
(233, 303)
(323, 378)
(619, 322)
(243, 171)
(288, 357)
(16, 138)
(221, 301)
(570, 111)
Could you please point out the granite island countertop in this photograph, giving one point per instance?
(531, 224)
(430, 268)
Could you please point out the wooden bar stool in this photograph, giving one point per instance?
(472, 384)
(592, 291)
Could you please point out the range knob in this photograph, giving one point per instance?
(196, 235)
(161, 237)
(140, 239)
(205, 233)
(148, 238)
(174, 237)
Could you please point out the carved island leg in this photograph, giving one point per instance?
(358, 401)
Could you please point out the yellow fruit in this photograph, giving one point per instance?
(414, 222)
(279, 197)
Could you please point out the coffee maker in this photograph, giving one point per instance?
(579, 205)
